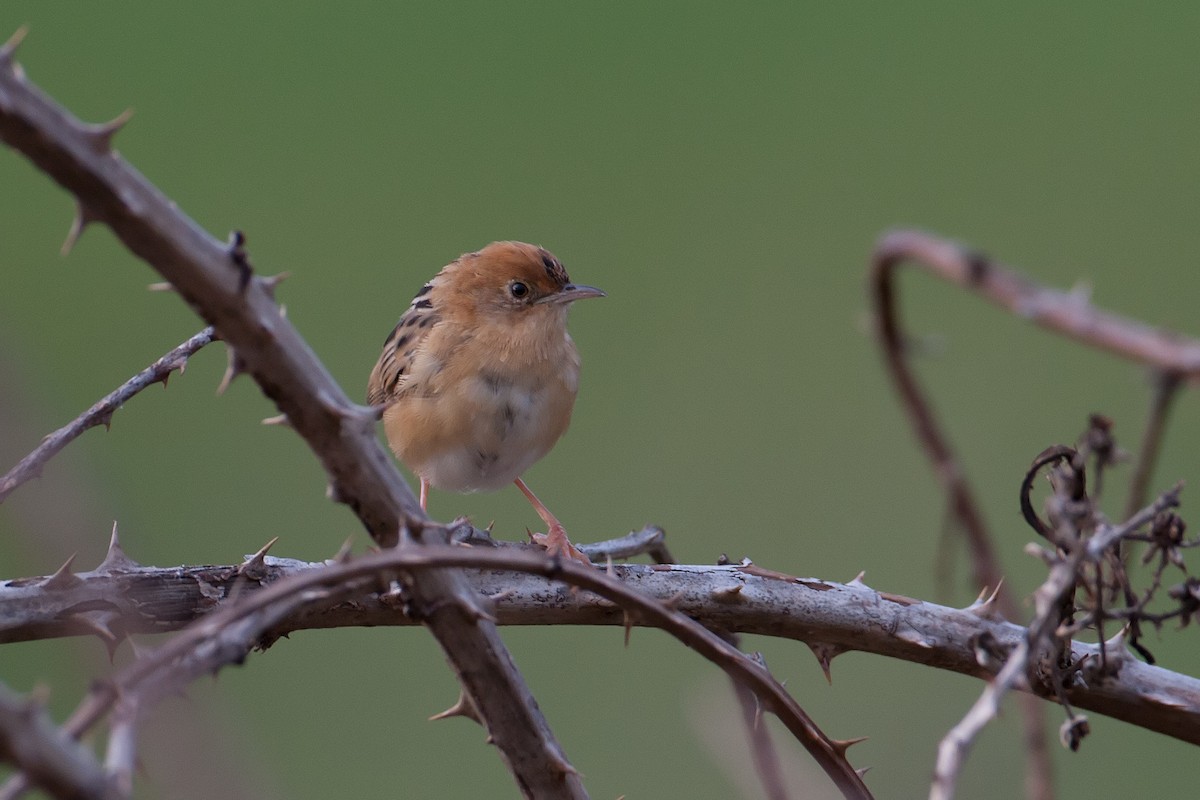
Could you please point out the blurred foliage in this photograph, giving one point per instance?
(722, 170)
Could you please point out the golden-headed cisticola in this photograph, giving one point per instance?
(479, 377)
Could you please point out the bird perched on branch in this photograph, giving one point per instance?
(479, 376)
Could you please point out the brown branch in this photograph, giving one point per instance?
(891, 251)
(58, 764)
(758, 736)
(1058, 311)
(1166, 389)
(1176, 358)
(258, 618)
(939, 257)
(1044, 649)
(102, 411)
(216, 281)
(729, 598)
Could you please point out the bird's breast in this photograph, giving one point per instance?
(480, 429)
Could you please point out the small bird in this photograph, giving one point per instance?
(479, 377)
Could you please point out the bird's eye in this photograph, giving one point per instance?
(518, 289)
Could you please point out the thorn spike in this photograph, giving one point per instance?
(271, 281)
(235, 367)
(100, 136)
(63, 577)
(627, 618)
(562, 765)
(103, 632)
(281, 420)
(343, 554)
(825, 654)
(79, 222)
(842, 745)
(161, 286)
(115, 559)
(986, 605)
(9, 48)
(254, 566)
(463, 707)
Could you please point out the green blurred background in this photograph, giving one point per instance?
(722, 171)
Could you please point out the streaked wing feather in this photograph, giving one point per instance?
(399, 349)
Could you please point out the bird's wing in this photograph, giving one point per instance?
(400, 348)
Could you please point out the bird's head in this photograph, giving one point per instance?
(513, 280)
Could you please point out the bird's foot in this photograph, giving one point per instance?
(557, 544)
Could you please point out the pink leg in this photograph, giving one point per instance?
(555, 539)
(424, 493)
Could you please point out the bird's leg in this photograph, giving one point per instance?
(555, 538)
(424, 493)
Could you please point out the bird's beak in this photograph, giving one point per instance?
(572, 292)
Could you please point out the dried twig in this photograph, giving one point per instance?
(890, 252)
(893, 250)
(101, 412)
(1176, 357)
(1083, 545)
(651, 540)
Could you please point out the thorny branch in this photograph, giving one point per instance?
(50, 759)
(1175, 358)
(218, 283)
(258, 618)
(102, 411)
(265, 598)
(122, 598)
(1086, 556)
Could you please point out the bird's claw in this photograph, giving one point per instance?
(557, 544)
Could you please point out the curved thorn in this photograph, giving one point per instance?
(234, 368)
(100, 136)
(9, 48)
(842, 745)
(82, 219)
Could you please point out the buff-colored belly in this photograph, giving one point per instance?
(482, 434)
